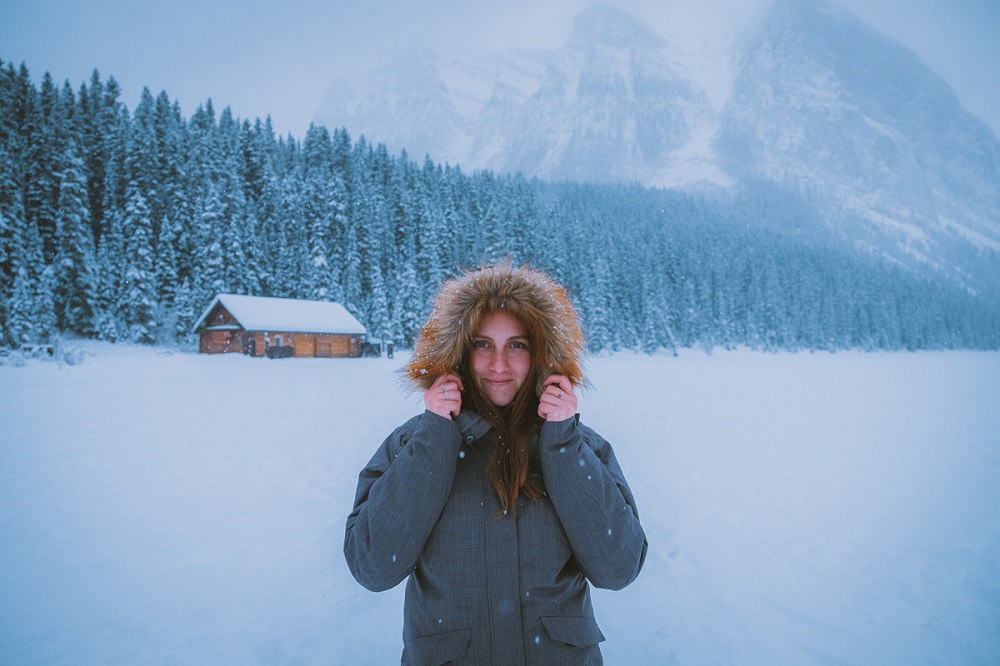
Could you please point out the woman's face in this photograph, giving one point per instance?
(501, 358)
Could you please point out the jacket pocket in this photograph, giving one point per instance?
(437, 649)
(576, 631)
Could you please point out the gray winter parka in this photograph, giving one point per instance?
(484, 589)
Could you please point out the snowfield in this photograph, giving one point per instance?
(164, 507)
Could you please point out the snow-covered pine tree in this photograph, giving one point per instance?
(430, 233)
(316, 222)
(75, 270)
(289, 246)
(138, 298)
(30, 311)
(407, 306)
(42, 155)
(9, 196)
(107, 324)
(377, 307)
(186, 308)
(238, 277)
(210, 276)
(338, 223)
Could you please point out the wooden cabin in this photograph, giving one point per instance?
(278, 327)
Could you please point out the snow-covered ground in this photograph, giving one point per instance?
(172, 508)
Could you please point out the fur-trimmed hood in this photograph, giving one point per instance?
(535, 299)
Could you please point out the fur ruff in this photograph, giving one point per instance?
(537, 301)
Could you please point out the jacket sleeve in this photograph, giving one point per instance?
(400, 496)
(594, 503)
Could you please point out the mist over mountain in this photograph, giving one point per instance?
(821, 104)
(609, 105)
(824, 103)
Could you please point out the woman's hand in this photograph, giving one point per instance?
(558, 401)
(444, 397)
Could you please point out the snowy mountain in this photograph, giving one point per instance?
(609, 102)
(820, 103)
(825, 103)
(608, 105)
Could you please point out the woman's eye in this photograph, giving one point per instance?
(480, 344)
(518, 345)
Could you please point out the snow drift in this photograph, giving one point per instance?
(164, 507)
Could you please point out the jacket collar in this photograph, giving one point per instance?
(471, 425)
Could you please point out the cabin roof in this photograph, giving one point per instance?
(264, 313)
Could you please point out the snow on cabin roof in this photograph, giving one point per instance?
(263, 313)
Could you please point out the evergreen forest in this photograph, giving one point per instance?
(123, 225)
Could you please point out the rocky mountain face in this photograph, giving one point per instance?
(607, 106)
(609, 102)
(824, 103)
(821, 103)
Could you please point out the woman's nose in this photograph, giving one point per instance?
(498, 362)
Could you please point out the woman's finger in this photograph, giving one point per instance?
(559, 383)
(444, 397)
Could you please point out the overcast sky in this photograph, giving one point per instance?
(278, 59)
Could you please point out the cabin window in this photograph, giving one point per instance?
(277, 340)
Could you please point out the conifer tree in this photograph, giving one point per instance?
(352, 287)
(75, 270)
(107, 324)
(238, 277)
(9, 208)
(42, 157)
(316, 222)
(185, 308)
(209, 278)
(166, 276)
(30, 310)
(338, 222)
(376, 317)
(407, 309)
(138, 299)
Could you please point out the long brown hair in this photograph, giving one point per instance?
(515, 424)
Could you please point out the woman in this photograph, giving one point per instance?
(496, 502)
